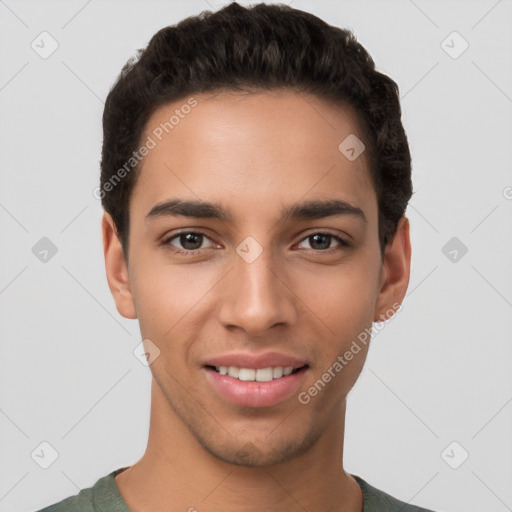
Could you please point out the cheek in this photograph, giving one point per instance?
(342, 297)
(341, 304)
(166, 294)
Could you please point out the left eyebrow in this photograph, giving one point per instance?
(311, 210)
(308, 210)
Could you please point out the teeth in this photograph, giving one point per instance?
(264, 374)
(233, 371)
(277, 372)
(259, 375)
(246, 374)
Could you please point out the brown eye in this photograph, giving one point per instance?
(322, 241)
(190, 242)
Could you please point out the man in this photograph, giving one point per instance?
(255, 174)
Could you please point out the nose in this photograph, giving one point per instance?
(257, 296)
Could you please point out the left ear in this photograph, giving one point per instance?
(395, 272)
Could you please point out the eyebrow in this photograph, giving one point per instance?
(307, 210)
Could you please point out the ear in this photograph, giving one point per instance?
(116, 269)
(395, 273)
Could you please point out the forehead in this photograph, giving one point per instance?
(272, 147)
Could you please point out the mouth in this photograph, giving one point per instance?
(255, 387)
(257, 374)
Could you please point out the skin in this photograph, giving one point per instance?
(253, 153)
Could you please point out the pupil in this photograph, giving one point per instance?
(188, 238)
(325, 237)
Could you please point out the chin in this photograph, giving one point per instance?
(259, 454)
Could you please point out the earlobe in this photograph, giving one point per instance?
(116, 270)
(395, 273)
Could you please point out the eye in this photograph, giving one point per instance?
(321, 242)
(191, 242)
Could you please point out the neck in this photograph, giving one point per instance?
(175, 469)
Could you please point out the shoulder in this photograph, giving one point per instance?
(81, 502)
(376, 500)
(103, 496)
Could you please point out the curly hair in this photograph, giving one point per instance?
(263, 47)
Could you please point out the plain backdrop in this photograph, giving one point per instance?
(437, 385)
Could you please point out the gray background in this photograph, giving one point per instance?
(437, 373)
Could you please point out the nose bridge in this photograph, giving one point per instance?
(256, 298)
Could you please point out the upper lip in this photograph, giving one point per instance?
(256, 361)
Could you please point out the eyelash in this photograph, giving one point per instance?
(343, 243)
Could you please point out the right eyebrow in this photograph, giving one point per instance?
(185, 208)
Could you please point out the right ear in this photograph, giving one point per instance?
(116, 269)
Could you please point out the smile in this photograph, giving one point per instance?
(258, 375)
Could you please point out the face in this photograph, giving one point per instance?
(279, 273)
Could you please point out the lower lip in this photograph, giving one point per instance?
(253, 393)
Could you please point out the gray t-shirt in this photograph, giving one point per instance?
(104, 496)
